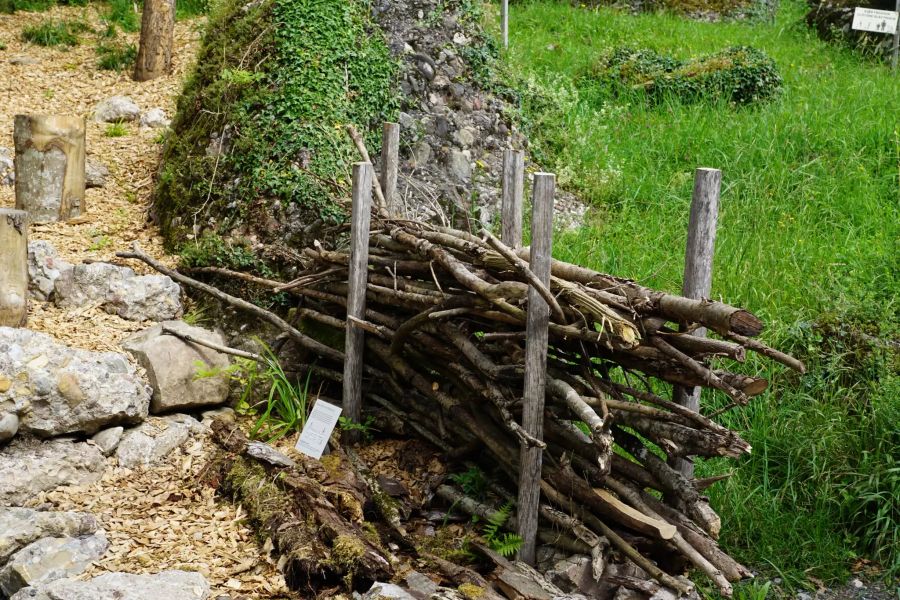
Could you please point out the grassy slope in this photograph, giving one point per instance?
(808, 231)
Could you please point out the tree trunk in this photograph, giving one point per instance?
(13, 267)
(50, 178)
(157, 34)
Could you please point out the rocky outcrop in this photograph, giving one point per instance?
(154, 439)
(119, 291)
(62, 390)
(29, 466)
(50, 559)
(117, 110)
(168, 585)
(22, 526)
(172, 366)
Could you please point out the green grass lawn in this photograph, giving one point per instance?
(808, 239)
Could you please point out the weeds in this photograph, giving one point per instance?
(54, 33)
(116, 57)
(123, 14)
(115, 130)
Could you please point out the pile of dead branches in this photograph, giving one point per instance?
(445, 323)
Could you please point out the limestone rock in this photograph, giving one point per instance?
(154, 118)
(382, 591)
(69, 390)
(44, 268)
(95, 174)
(145, 298)
(108, 439)
(225, 414)
(9, 426)
(420, 586)
(116, 110)
(22, 526)
(154, 439)
(171, 585)
(171, 365)
(119, 291)
(49, 559)
(460, 165)
(29, 466)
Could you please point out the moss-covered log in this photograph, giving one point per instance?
(313, 515)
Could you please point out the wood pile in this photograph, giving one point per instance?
(445, 337)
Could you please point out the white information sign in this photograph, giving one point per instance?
(879, 21)
(318, 428)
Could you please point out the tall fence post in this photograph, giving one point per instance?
(356, 294)
(390, 161)
(536, 335)
(511, 198)
(504, 22)
(698, 262)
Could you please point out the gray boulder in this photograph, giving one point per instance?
(170, 585)
(145, 298)
(382, 591)
(29, 466)
(44, 268)
(154, 439)
(49, 559)
(172, 364)
(22, 526)
(116, 110)
(108, 439)
(69, 390)
(154, 118)
(460, 165)
(119, 291)
(95, 174)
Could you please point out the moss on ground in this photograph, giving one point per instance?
(260, 124)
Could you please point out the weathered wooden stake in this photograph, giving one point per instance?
(154, 58)
(13, 267)
(504, 22)
(698, 262)
(390, 162)
(511, 202)
(361, 214)
(535, 364)
(49, 166)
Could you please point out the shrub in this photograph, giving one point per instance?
(116, 57)
(739, 74)
(50, 33)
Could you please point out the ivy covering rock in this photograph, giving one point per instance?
(739, 74)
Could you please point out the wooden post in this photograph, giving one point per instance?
(154, 57)
(536, 326)
(504, 22)
(698, 262)
(896, 50)
(13, 267)
(511, 203)
(49, 163)
(390, 162)
(361, 214)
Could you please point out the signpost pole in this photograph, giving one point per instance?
(896, 49)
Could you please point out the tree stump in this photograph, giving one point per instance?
(50, 177)
(157, 35)
(13, 267)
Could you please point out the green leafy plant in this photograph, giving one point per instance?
(365, 428)
(123, 14)
(505, 544)
(54, 33)
(473, 482)
(284, 408)
(115, 130)
(116, 57)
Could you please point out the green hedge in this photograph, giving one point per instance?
(739, 74)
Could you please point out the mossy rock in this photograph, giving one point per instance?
(739, 74)
(258, 149)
